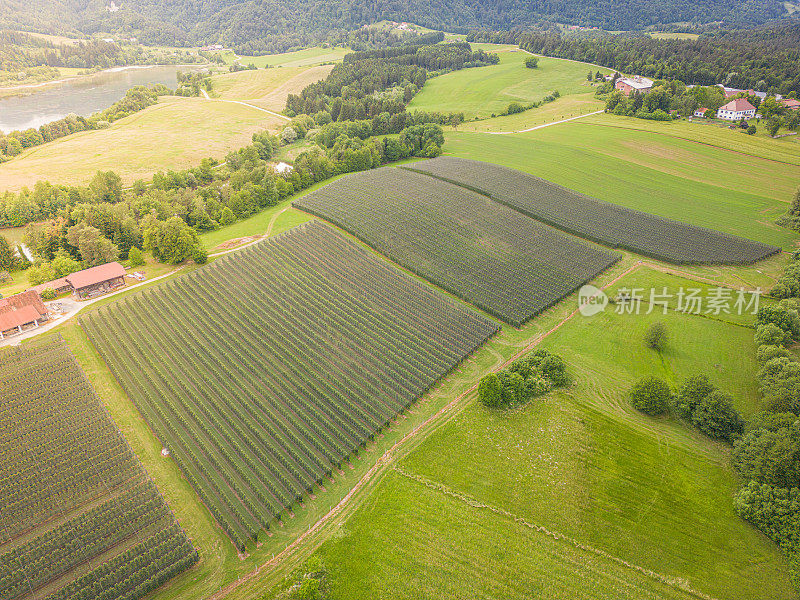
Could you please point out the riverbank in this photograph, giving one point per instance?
(28, 89)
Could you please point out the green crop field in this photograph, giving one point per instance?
(330, 344)
(482, 92)
(676, 178)
(490, 255)
(625, 493)
(602, 222)
(80, 515)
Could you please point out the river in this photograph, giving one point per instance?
(82, 96)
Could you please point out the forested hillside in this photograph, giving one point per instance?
(276, 25)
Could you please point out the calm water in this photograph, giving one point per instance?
(82, 97)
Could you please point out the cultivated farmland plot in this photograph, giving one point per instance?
(72, 491)
(265, 371)
(595, 220)
(490, 255)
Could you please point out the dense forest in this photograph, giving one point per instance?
(276, 25)
(764, 58)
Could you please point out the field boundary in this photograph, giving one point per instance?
(474, 503)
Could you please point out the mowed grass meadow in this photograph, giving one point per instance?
(489, 90)
(669, 176)
(636, 493)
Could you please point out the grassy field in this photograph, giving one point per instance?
(669, 35)
(487, 90)
(564, 107)
(661, 174)
(300, 58)
(711, 133)
(267, 88)
(582, 463)
(176, 133)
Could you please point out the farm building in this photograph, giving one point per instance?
(87, 283)
(701, 112)
(59, 286)
(731, 92)
(791, 103)
(736, 110)
(636, 84)
(97, 280)
(20, 312)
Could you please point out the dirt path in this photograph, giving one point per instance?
(269, 112)
(597, 112)
(265, 235)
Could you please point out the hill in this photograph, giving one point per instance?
(276, 25)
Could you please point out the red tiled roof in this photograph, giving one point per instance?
(738, 105)
(701, 110)
(95, 275)
(50, 285)
(791, 103)
(20, 301)
(15, 318)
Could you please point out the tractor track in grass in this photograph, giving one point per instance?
(475, 503)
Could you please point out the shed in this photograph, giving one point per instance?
(97, 280)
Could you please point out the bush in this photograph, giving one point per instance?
(514, 108)
(651, 395)
(48, 294)
(751, 130)
(490, 392)
(524, 379)
(766, 353)
(691, 394)
(135, 257)
(655, 337)
(531, 62)
(769, 334)
(716, 417)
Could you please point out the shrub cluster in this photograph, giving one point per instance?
(524, 379)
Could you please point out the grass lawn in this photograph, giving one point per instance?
(300, 58)
(582, 463)
(659, 174)
(486, 90)
(176, 133)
